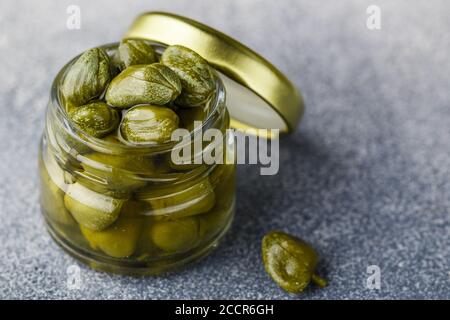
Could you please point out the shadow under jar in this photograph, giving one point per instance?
(130, 209)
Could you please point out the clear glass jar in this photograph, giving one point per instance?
(129, 209)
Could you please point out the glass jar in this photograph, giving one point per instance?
(130, 209)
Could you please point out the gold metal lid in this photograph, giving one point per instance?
(258, 95)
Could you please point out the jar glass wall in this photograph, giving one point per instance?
(130, 209)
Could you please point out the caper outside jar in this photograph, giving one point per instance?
(128, 208)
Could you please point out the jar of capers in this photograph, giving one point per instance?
(110, 193)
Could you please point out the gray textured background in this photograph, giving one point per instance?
(366, 178)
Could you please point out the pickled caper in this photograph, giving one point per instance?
(175, 236)
(96, 119)
(70, 143)
(120, 239)
(290, 262)
(91, 209)
(143, 84)
(148, 124)
(115, 172)
(134, 52)
(87, 78)
(196, 76)
(180, 200)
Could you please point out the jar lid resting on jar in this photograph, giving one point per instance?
(259, 95)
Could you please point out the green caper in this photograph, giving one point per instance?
(90, 209)
(175, 235)
(119, 173)
(96, 119)
(148, 124)
(120, 239)
(143, 84)
(134, 52)
(290, 262)
(146, 248)
(180, 200)
(87, 78)
(197, 79)
(70, 143)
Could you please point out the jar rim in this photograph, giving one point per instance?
(217, 101)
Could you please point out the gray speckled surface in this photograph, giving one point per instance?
(366, 178)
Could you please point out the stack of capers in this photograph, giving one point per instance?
(135, 97)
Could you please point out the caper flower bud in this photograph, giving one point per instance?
(148, 124)
(176, 235)
(96, 119)
(120, 239)
(134, 52)
(290, 262)
(196, 76)
(87, 78)
(119, 173)
(180, 200)
(90, 209)
(143, 84)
